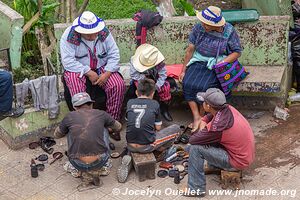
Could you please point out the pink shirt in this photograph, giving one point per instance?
(238, 140)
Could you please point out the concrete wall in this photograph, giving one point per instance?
(171, 37)
(11, 24)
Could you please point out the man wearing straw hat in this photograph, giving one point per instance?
(88, 50)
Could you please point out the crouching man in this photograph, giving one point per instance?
(225, 140)
(88, 139)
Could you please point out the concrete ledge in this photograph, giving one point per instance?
(18, 132)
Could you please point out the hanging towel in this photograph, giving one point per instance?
(44, 94)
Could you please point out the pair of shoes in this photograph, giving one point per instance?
(164, 109)
(71, 169)
(187, 192)
(14, 113)
(124, 169)
(84, 186)
(105, 170)
(184, 139)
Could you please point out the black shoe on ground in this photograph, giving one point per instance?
(15, 112)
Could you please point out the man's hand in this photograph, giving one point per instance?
(103, 78)
(202, 125)
(93, 76)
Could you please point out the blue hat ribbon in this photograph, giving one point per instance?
(214, 19)
(88, 26)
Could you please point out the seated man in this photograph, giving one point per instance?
(6, 97)
(225, 140)
(88, 50)
(143, 133)
(148, 62)
(88, 144)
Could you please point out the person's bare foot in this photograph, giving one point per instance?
(196, 125)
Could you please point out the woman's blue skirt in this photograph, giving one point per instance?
(198, 78)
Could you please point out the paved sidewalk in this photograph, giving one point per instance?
(276, 169)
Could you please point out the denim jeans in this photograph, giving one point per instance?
(164, 140)
(6, 91)
(214, 156)
(98, 164)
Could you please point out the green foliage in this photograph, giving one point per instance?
(27, 8)
(47, 14)
(188, 8)
(113, 9)
(31, 59)
(178, 7)
(29, 68)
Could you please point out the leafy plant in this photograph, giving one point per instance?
(30, 50)
(188, 8)
(113, 9)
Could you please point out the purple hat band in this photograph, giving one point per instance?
(216, 19)
(88, 26)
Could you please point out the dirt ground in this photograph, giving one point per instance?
(276, 146)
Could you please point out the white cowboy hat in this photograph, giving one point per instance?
(211, 16)
(146, 56)
(88, 23)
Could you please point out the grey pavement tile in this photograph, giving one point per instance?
(7, 195)
(65, 185)
(27, 188)
(89, 194)
(3, 148)
(46, 194)
(149, 198)
(10, 177)
(52, 174)
(108, 197)
(167, 188)
(109, 183)
(228, 197)
(150, 183)
(126, 192)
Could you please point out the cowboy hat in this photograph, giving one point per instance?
(88, 23)
(211, 16)
(146, 57)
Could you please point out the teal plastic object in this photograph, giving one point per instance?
(243, 15)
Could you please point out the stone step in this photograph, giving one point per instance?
(266, 79)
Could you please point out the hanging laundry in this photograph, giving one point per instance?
(44, 94)
(22, 92)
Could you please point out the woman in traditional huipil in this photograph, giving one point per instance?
(212, 38)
